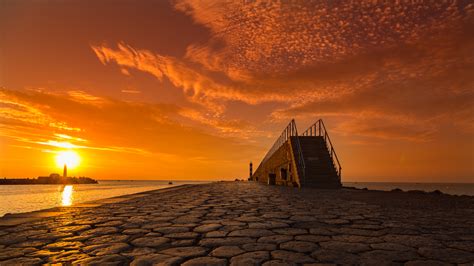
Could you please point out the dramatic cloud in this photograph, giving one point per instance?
(389, 60)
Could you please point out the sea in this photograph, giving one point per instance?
(26, 198)
(447, 188)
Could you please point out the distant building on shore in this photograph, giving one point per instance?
(51, 179)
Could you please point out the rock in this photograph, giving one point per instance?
(185, 252)
(207, 228)
(135, 231)
(447, 254)
(267, 225)
(22, 261)
(182, 242)
(249, 219)
(259, 247)
(226, 241)
(12, 239)
(171, 229)
(426, 262)
(250, 258)
(30, 243)
(320, 231)
(290, 231)
(72, 228)
(217, 234)
(358, 232)
(335, 256)
(278, 263)
(8, 253)
(185, 235)
(110, 223)
(336, 221)
(67, 256)
(205, 261)
(299, 246)
(312, 238)
(343, 246)
(292, 257)
(274, 239)
(251, 233)
(105, 249)
(357, 239)
(390, 246)
(156, 259)
(44, 253)
(152, 242)
(386, 256)
(107, 239)
(412, 240)
(102, 260)
(64, 245)
(138, 252)
(227, 251)
(100, 231)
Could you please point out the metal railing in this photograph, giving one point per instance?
(318, 129)
(289, 131)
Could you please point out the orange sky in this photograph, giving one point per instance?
(197, 89)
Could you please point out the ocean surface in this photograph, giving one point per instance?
(448, 188)
(26, 198)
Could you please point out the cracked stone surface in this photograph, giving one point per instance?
(246, 223)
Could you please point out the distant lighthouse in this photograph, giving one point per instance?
(65, 171)
(250, 168)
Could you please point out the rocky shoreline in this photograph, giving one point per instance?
(242, 223)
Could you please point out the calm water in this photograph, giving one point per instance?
(25, 198)
(448, 188)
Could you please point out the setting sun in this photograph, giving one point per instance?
(69, 158)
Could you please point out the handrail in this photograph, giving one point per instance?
(289, 131)
(318, 129)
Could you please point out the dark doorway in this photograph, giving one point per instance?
(272, 179)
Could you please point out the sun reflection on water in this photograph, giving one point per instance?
(67, 195)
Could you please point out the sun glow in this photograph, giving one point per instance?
(67, 195)
(69, 158)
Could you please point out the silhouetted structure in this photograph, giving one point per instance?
(306, 160)
(251, 170)
(65, 171)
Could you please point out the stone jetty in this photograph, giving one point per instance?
(247, 223)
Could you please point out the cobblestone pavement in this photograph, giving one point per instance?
(244, 223)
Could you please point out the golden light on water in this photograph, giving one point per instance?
(67, 195)
(69, 158)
